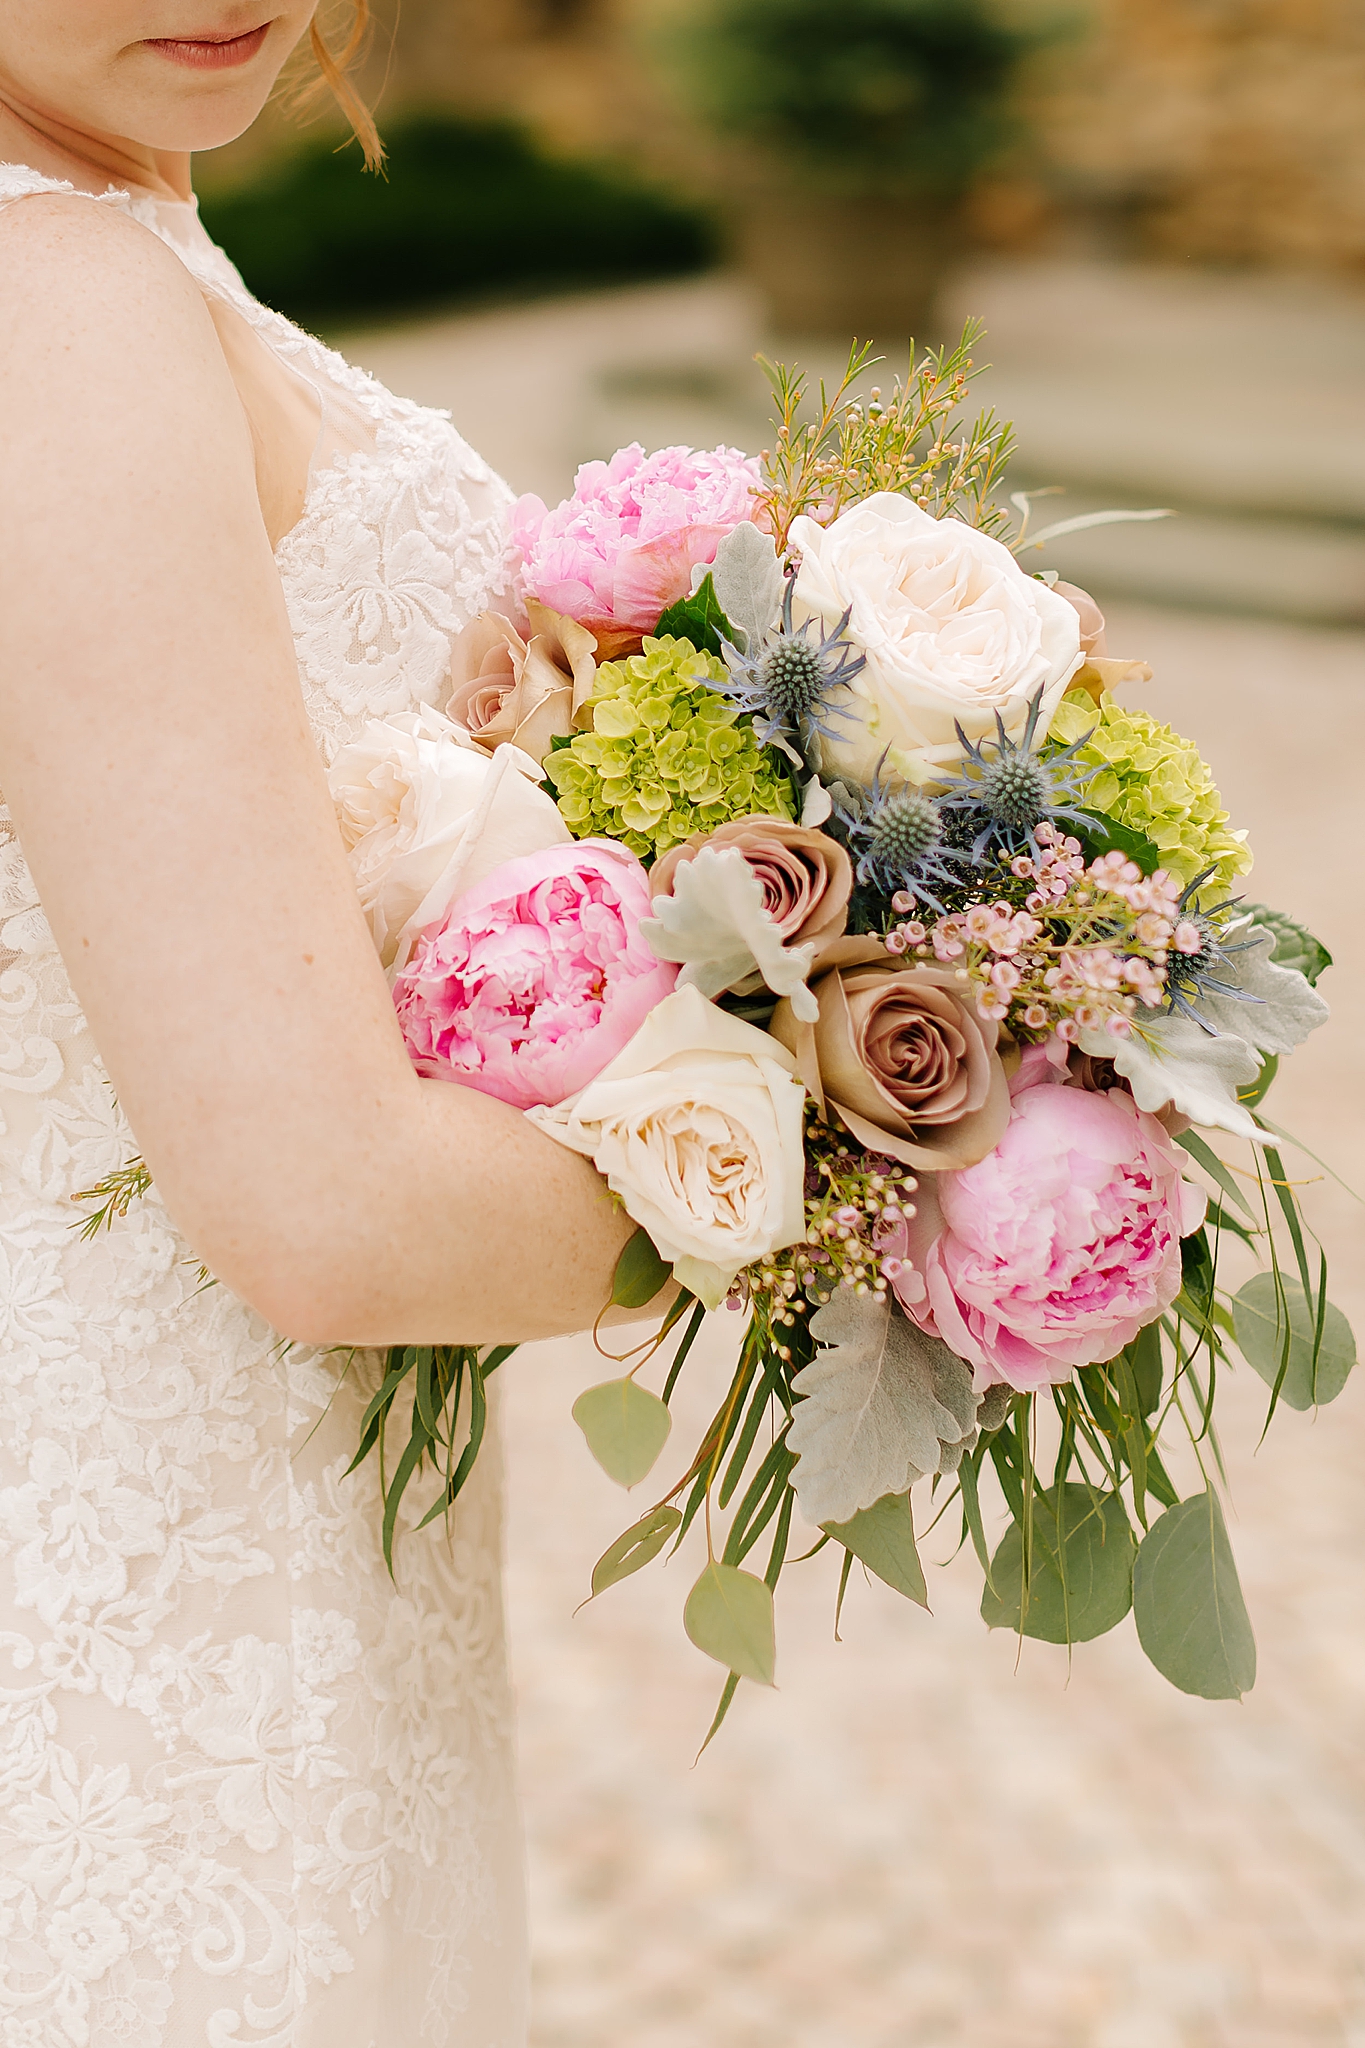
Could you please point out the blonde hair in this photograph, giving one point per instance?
(334, 65)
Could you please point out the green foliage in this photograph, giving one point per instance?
(864, 95)
(729, 1615)
(626, 1428)
(915, 441)
(1294, 947)
(464, 209)
(699, 619)
(1152, 781)
(883, 1537)
(115, 1194)
(640, 1273)
(1106, 835)
(1305, 1347)
(1187, 1602)
(1071, 1578)
(667, 755)
(635, 1548)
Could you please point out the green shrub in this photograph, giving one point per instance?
(869, 95)
(467, 210)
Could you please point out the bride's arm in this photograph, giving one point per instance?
(158, 763)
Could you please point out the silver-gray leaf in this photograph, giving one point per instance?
(748, 581)
(883, 1404)
(1284, 1007)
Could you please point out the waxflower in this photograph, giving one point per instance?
(667, 755)
(1147, 777)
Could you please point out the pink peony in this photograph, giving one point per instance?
(622, 548)
(1060, 1245)
(536, 978)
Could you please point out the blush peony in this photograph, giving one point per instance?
(536, 978)
(1058, 1247)
(622, 549)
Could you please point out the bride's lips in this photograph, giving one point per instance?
(210, 53)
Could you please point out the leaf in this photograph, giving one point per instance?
(640, 1273)
(747, 580)
(1099, 835)
(1294, 947)
(882, 1405)
(626, 1428)
(1196, 1272)
(1081, 1579)
(729, 1616)
(1191, 1142)
(1260, 1322)
(1256, 1091)
(1191, 1618)
(697, 618)
(634, 1549)
(1144, 1358)
(883, 1536)
(1276, 1008)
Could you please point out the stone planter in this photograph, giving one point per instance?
(841, 266)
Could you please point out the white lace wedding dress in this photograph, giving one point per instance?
(252, 1793)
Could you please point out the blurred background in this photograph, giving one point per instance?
(595, 213)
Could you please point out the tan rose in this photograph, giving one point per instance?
(528, 693)
(901, 1054)
(1089, 614)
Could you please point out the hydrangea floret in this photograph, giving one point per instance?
(667, 755)
(1088, 949)
(1151, 779)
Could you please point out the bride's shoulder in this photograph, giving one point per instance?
(65, 253)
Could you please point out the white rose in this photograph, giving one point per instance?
(952, 627)
(425, 816)
(697, 1126)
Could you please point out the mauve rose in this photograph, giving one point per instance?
(903, 1057)
(537, 978)
(1089, 614)
(757, 900)
(509, 689)
(1056, 1249)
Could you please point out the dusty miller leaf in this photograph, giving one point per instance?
(1294, 947)
(748, 583)
(883, 1404)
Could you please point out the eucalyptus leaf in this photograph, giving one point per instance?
(729, 1616)
(1294, 947)
(881, 1404)
(883, 1536)
(634, 1548)
(626, 1428)
(1259, 1318)
(640, 1273)
(1081, 1577)
(1187, 1602)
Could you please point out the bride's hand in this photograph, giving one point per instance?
(171, 803)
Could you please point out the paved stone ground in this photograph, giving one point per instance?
(920, 1840)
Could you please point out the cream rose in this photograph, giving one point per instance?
(424, 816)
(525, 692)
(953, 630)
(697, 1126)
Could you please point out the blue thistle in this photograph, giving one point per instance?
(899, 840)
(788, 682)
(1009, 794)
(1189, 976)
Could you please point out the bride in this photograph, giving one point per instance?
(253, 1794)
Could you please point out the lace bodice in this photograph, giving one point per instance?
(252, 1793)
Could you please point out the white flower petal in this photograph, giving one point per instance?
(1169, 1061)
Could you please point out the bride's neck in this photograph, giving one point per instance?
(87, 158)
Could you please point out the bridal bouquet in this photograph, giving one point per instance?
(800, 858)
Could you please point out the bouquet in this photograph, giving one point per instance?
(799, 857)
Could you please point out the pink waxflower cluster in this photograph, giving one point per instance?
(622, 549)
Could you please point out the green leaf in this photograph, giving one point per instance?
(633, 1550)
(699, 619)
(1294, 947)
(729, 1616)
(626, 1428)
(1105, 835)
(1081, 1583)
(1144, 1357)
(883, 1536)
(1256, 1091)
(1259, 1317)
(1205, 1156)
(1191, 1618)
(640, 1273)
(1196, 1272)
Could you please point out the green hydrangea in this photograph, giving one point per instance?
(1150, 779)
(666, 756)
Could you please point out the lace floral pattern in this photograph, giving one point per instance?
(252, 1793)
